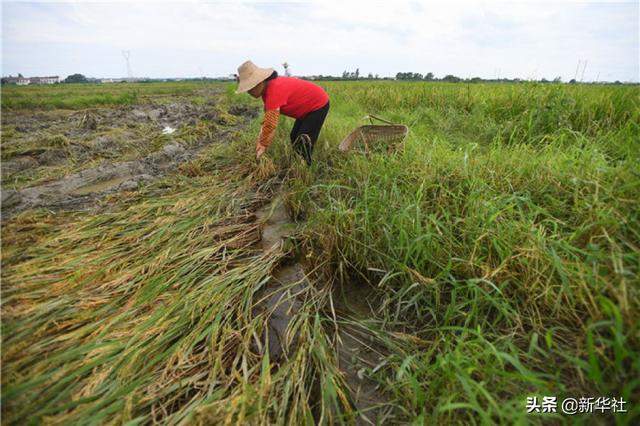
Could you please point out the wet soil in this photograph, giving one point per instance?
(354, 346)
(84, 188)
(34, 139)
(80, 189)
(278, 297)
(358, 353)
(71, 123)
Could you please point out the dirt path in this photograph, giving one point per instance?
(279, 296)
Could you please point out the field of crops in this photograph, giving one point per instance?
(493, 257)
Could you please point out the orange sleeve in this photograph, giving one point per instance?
(269, 125)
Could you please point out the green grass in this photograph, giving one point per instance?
(500, 247)
(505, 236)
(80, 96)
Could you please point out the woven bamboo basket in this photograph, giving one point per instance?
(375, 137)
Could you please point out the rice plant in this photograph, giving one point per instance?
(494, 257)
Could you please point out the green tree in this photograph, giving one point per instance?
(451, 78)
(76, 78)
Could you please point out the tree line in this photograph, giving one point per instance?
(450, 78)
(353, 75)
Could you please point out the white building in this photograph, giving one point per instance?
(45, 80)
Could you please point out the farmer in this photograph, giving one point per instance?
(293, 97)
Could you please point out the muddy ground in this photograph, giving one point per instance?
(64, 159)
(283, 297)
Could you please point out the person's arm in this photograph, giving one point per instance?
(268, 131)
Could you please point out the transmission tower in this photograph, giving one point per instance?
(127, 54)
(583, 70)
(575, 77)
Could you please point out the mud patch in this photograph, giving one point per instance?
(277, 224)
(243, 110)
(356, 351)
(19, 164)
(82, 189)
(108, 184)
(278, 297)
(39, 146)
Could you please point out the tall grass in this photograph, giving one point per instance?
(504, 238)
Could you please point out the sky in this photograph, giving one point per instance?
(488, 39)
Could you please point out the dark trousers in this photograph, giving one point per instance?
(309, 125)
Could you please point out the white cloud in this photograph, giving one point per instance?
(524, 39)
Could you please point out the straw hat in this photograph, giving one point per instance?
(251, 75)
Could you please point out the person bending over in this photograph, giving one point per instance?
(308, 103)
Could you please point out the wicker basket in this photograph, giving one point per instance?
(387, 137)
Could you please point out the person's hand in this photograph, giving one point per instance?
(259, 151)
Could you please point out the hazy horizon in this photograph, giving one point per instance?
(527, 40)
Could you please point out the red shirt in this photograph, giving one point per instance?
(293, 96)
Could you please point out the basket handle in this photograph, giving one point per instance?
(371, 117)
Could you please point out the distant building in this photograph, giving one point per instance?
(124, 80)
(10, 80)
(45, 80)
(23, 81)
